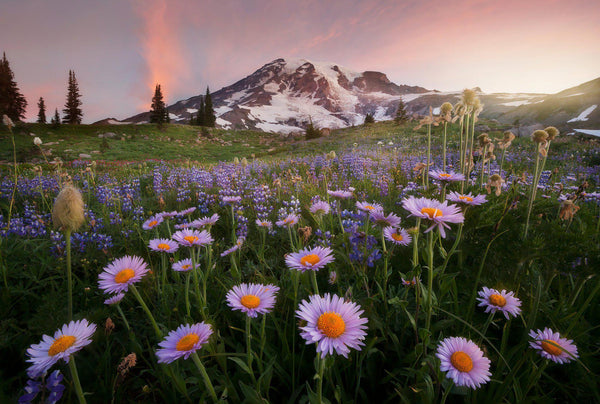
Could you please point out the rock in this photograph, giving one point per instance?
(482, 128)
(526, 130)
(325, 132)
(32, 134)
(95, 152)
(107, 135)
(84, 156)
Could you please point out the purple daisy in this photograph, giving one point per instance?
(66, 341)
(264, 223)
(412, 282)
(168, 215)
(183, 342)
(163, 245)
(437, 212)
(288, 221)
(340, 194)
(397, 236)
(551, 346)
(114, 299)
(464, 362)
(252, 298)
(503, 301)
(205, 221)
(190, 238)
(239, 243)
(333, 324)
(310, 258)
(320, 208)
(446, 176)
(369, 207)
(122, 272)
(186, 211)
(466, 199)
(152, 222)
(184, 265)
(379, 218)
(232, 199)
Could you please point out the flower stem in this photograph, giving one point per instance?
(532, 194)
(147, 310)
(76, 382)
(415, 260)
(313, 277)
(123, 316)
(207, 381)
(321, 362)
(430, 278)
(69, 275)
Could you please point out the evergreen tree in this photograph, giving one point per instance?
(73, 113)
(311, 131)
(200, 121)
(369, 119)
(55, 121)
(42, 111)
(12, 102)
(167, 117)
(158, 108)
(209, 113)
(401, 114)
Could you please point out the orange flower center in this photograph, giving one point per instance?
(61, 344)
(190, 239)
(461, 361)
(311, 259)
(163, 246)
(465, 198)
(497, 300)
(331, 324)
(124, 275)
(432, 212)
(250, 301)
(551, 347)
(186, 266)
(369, 207)
(186, 343)
(397, 236)
(266, 224)
(444, 175)
(152, 223)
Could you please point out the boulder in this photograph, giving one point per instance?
(84, 156)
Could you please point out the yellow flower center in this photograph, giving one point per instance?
(163, 246)
(497, 300)
(124, 275)
(186, 266)
(61, 344)
(190, 239)
(465, 198)
(265, 224)
(331, 324)
(152, 223)
(551, 347)
(461, 361)
(186, 343)
(288, 221)
(444, 175)
(250, 301)
(369, 207)
(311, 259)
(397, 236)
(432, 212)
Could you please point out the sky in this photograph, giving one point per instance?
(119, 49)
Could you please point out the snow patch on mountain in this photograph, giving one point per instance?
(584, 115)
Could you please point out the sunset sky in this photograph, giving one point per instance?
(119, 49)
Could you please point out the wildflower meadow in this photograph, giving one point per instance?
(443, 266)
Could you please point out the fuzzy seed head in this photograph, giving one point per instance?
(552, 132)
(67, 212)
(539, 136)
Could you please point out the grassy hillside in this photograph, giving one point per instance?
(183, 142)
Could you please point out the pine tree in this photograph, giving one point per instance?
(12, 102)
(167, 117)
(401, 114)
(200, 121)
(73, 113)
(42, 111)
(209, 113)
(158, 108)
(55, 121)
(369, 119)
(311, 131)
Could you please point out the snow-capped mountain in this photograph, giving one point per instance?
(282, 96)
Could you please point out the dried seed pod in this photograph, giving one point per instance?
(67, 212)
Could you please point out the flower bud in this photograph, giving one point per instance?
(67, 212)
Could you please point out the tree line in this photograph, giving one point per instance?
(13, 103)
